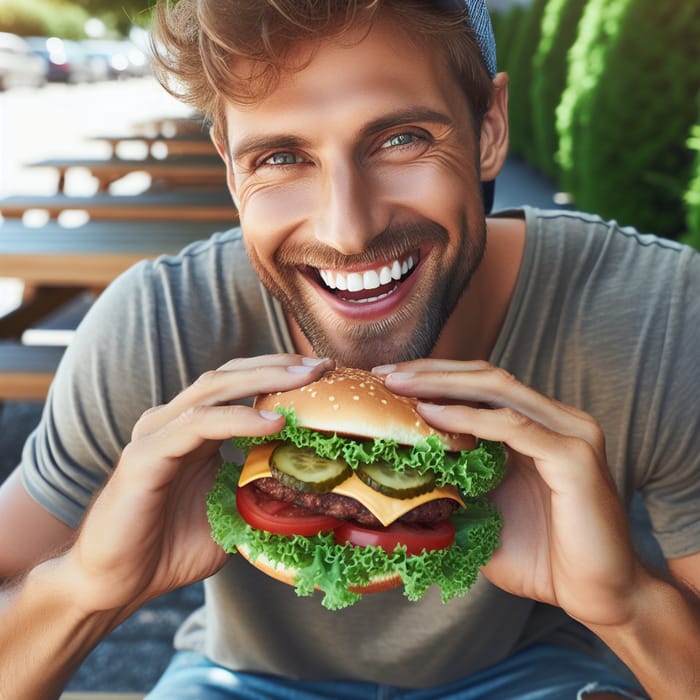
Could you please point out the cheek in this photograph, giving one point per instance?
(271, 214)
(276, 206)
(438, 190)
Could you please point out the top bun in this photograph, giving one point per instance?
(356, 402)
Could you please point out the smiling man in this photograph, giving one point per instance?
(357, 137)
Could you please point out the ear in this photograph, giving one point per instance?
(494, 130)
(223, 152)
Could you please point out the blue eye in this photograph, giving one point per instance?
(399, 140)
(282, 158)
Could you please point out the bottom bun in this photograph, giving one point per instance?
(286, 574)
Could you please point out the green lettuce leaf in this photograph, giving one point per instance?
(331, 567)
(474, 472)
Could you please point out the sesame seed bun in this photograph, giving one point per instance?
(356, 402)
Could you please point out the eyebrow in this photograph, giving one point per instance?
(254, 144)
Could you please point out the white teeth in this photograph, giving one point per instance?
(368, 279)
(354, 282)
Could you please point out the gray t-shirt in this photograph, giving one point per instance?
(602, 318)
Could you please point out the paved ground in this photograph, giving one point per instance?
(134, 655)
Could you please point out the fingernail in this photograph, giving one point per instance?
(268, 415)
(402, 375)
(383, 369)
(313, 361)
(430, 407)
(300, 369)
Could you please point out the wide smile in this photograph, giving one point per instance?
(370, 284)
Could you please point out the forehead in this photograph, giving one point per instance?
(358, 76)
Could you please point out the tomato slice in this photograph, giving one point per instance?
(265, 513)
(415, 538)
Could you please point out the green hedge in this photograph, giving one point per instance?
(43, 18)
(550, 65)
(625, 115)
(505, 26)
(524, 44)
(692, 197)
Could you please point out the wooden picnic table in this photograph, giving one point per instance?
(182, 205)
(178, 171)
(91, 255)
(26, 372)
(197, 144)
(172, 126)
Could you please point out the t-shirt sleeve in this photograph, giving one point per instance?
(671, 487)
(106, 379)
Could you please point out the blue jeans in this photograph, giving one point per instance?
(540, 672)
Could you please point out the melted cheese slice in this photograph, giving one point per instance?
(384, 508)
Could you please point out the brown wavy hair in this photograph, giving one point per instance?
(196, 44)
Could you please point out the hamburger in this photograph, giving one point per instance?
(358, 494)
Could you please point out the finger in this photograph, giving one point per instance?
(233, 382)
(274, 360)
(550, 450)
(485, 384)
(155, 457)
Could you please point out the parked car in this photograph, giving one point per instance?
(18, 64)
(66, 60)
(122, 58)
(110, 55)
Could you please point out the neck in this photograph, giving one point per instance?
(473, 328)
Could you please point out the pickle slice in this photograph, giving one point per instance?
(408, 483)
(302, 469)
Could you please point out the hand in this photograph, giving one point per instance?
(565, 540)
(147, 531)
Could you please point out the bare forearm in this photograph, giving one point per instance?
(662, 645)
(44, 633)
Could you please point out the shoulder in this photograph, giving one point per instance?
(574, 229)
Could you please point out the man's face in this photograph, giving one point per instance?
(358, 192)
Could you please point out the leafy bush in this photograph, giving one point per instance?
(43, 18)
(627, 110)
(550, 65)
(505, 27)
(524, 44)
(692, 197)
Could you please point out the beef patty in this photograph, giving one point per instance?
(346, 508)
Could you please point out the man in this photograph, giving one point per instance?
(356, 135)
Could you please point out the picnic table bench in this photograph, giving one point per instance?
(199, 205)
(176, 171)
(181, 144)
(53, 260)
(26, 372)
(91, 255)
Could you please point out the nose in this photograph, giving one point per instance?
(351, 211)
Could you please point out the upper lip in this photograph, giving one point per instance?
(369, 278)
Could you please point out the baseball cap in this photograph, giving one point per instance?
(480, 22)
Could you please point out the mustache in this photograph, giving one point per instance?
(394, 242)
